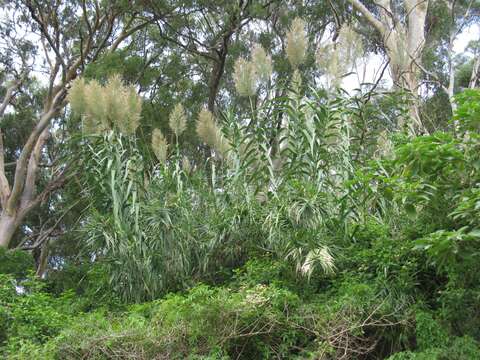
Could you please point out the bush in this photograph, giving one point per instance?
(251, 322)
(463, 348)
(15, 262)
(29, 314)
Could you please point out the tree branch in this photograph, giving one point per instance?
(21, 169)
(369, 16)
(475, 71)
(4, 185)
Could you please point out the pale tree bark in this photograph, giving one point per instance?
(449, 87)
(457, 24)
(404, 44)
(8, 225)
(7, 221)
(475, 73)
(20, 197)
(451, 76)
(41, 260)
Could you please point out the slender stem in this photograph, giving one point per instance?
(253, 117)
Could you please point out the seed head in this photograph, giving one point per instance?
(76, 96)
(244, 77)
(95, 109)
(262, 63)
(206, 128)
(134, 109)
(159, 145)
(186, 165)
(296, 43)
(178, 120)
(336, 60)
(210, 133)
(103, 107)
(349, 45)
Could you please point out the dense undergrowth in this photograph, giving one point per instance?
(368, 255)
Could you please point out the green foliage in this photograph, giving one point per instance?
(251, 322)
(157, 226)
(463, 348)
(15, 262)
(429, 332)
(468, 110)
(298, 224)
(90, 282)
(29, 314)
(247, 319)
(396, 240)
(130, 66)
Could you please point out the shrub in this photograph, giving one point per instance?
(15, 262)
(28, 314)
(252, 322)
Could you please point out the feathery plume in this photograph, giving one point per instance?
(186, 165)
(210, 133)
(102, 107)
(91, 126)
(296, 43)
(178, 120)
(244, 77)
(159, 145)
(262, 63)
(349, 45)
(329, 60)
(134, 106)
(76, 96)
(221, 144)
(95, 108)
(114, 102)
(338, 59)
(206, 128)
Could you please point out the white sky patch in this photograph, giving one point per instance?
(469, 34)
(368, 70)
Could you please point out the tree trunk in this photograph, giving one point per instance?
(417, 14)
(404, 45)
(215, 77)
(475, 71)
(41, 260)
(8, 225)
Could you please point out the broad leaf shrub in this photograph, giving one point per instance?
(204, 322)
(242, 321)
(17, 263)
(29, 314)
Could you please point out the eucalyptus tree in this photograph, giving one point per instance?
(401, 25)
(475, 74)
(205, 31)
(210, 35)
(70, 36)
(447, 20)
